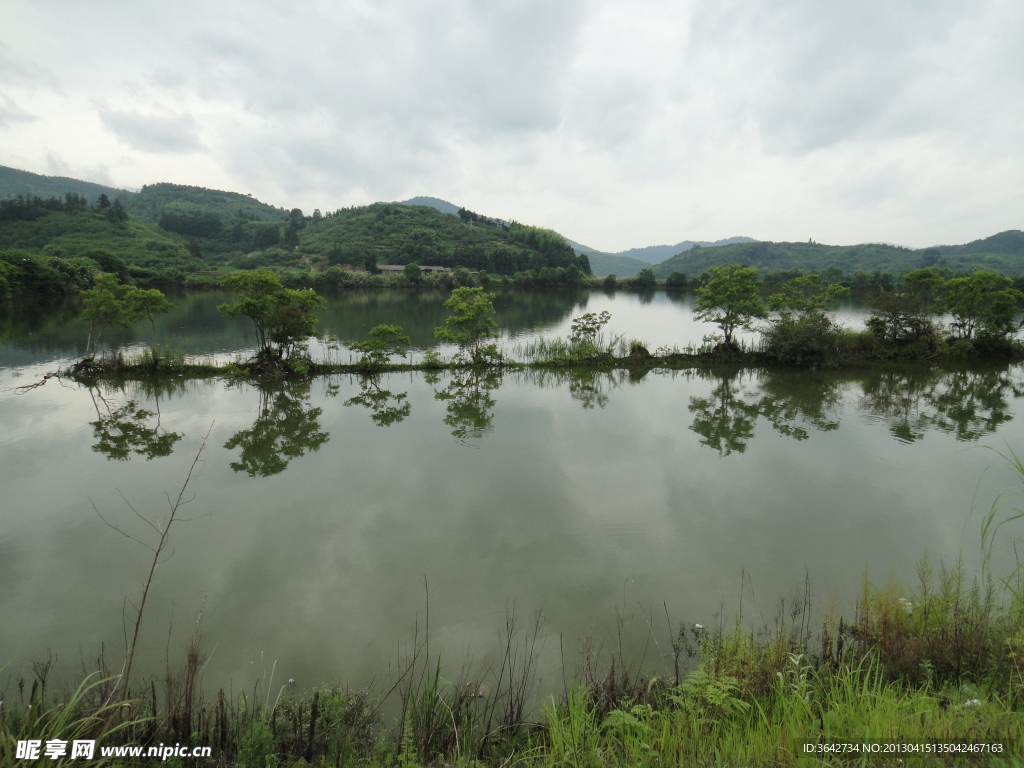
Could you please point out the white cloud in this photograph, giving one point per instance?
(617, 125)
(152, 133)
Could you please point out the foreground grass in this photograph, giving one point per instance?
(940, 665)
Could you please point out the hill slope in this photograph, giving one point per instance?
(629, 263)
(605, 264)
(156, 200)
(14, 183)
(432, 202)
(395, 233)
(1001, 253)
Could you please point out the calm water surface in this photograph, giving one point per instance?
(320, 511)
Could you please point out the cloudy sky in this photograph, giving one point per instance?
(618, 124)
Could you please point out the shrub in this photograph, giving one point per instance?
(813, 339)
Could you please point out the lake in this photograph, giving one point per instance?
(323, 513)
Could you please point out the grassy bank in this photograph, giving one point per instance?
(618, 353)
(941, 664)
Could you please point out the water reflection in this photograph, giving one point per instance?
(587, 386)
(126, 429)
(386, 408)
(286, 428)
(727, 407)
(967, 404)
(724, 419)
(470, 406)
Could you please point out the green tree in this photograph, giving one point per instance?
(731, 299)
(645, 280)
(585, 333)
(984, 302)
(411, 271)
(676, 282)
(116, 213)
(384, 341)
(803, 334)
(805, 295)
(470, 322)
(111, 303)
(283, 317)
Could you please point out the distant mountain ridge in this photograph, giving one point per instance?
(14, 182)
(655, 254)
(231, 222)
(1003, 253)
(442, 205)
(621, 264)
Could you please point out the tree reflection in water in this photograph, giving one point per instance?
(285, 429)
(792, 403)
(724, 419)
(386, 408)
(470, 408)
(968, 404)
(126, 429)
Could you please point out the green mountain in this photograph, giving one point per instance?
(1002, 253)
(396, 233)
(156, 201)
(442, 205)
(1007, 243)
(70, 230)
(187, 228)
(14, 183)
(604, 264)
(629, 263)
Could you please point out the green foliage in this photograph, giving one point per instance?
(77, 717)
(676, 282)
(812, 339)
(730, 299)
(23, 272)
(384, 341)
(470, 321)
(586, 327)
(411, 272)
(645, 280)
(902, 316)
(803, 334)
(58, 229)
(110, 303)
(983, 302)
(805, 295)
(283, 317)
(402, 234)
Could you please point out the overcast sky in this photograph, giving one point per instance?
(618, 124)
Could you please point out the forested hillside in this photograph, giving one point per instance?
(394, 233)
(181, 202)
(1002, 253)
(56, 246)
(15, 183)
(165, 231)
